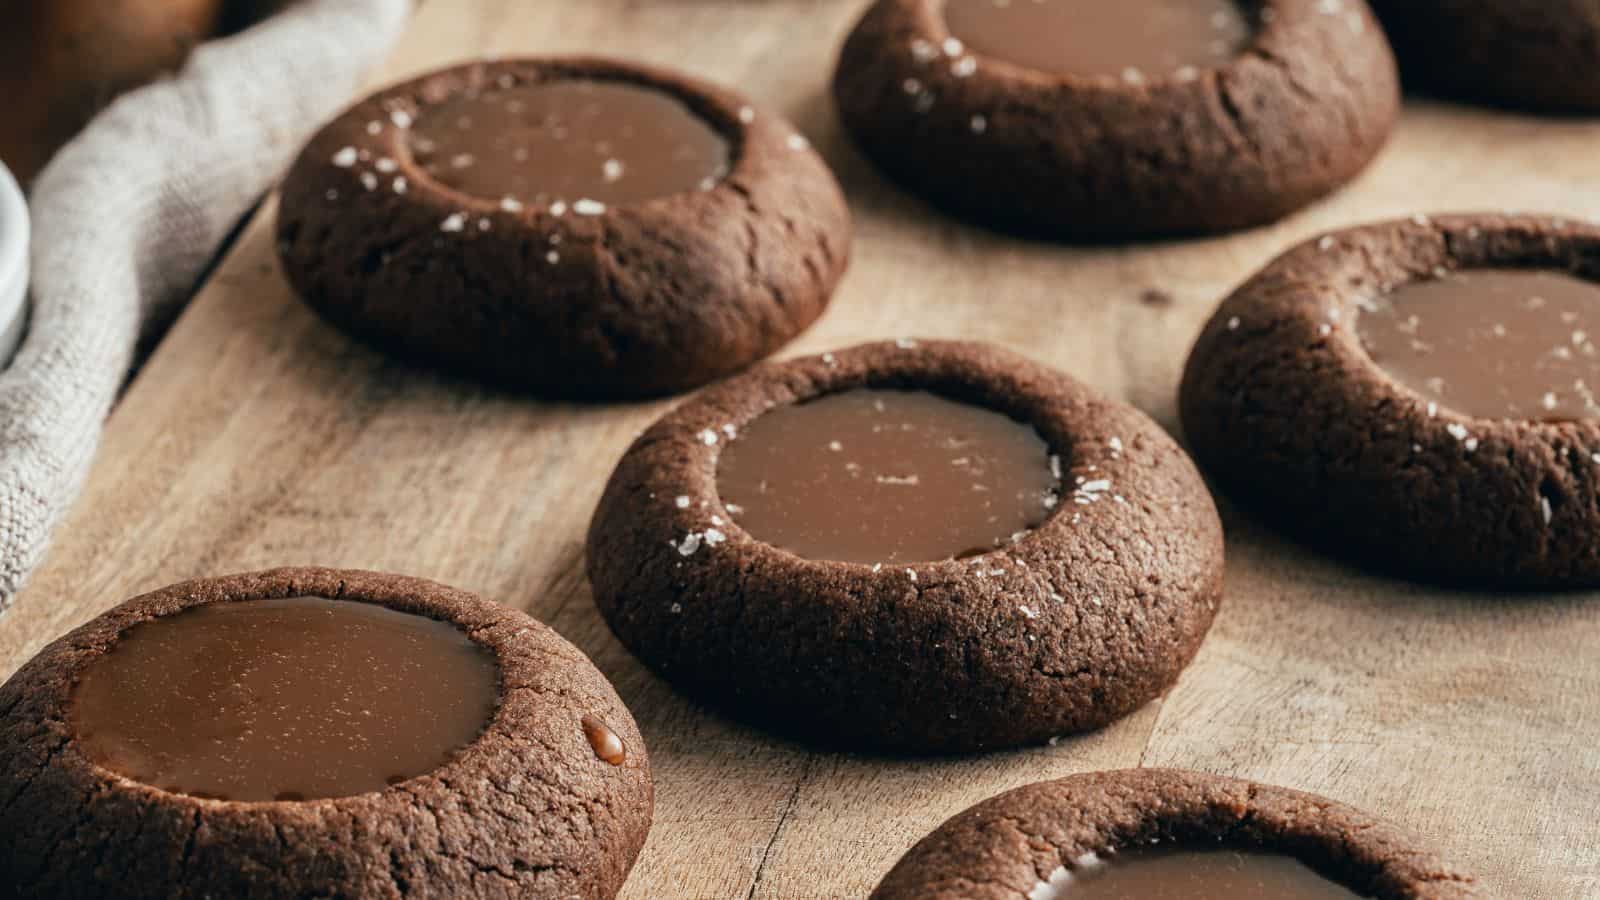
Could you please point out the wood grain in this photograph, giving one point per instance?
(257, 436)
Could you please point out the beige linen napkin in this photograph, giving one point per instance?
(126, 216)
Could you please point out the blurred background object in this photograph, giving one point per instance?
(61, 61)
(1536, 56)
(135, 203)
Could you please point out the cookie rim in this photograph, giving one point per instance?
(1075, 422)
(840, 374)
(405, 594)
(500, 630)
(934, 27)
(1356, 363)
(1342, 264)
(1114, 810)
(717, 108)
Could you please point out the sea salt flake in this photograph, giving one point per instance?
(1053, 888)
(979, 124)
(453, 223)
(681, 501)
(345, 158)
(708, 437)
(587, 207)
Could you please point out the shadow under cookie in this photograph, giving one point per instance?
(1417, 395)
(576, 227)
(999, 555)
(314, 732)
(1036, 129)
(1167, 833)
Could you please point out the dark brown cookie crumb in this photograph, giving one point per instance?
(1009, 846)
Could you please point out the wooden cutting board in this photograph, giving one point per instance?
(256, 436)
